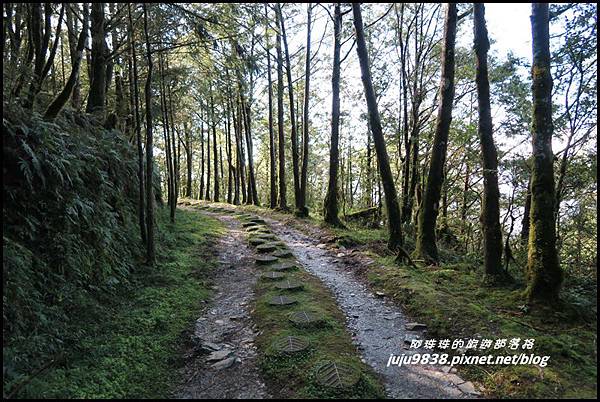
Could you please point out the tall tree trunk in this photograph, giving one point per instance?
(216, 194)
(228, 150)
(174, 146)
(272, 157)
(188, 158)
(281, 139)
(150, 251)
(43, 66)
(169, 150)
(97, 93)
(73, 45)
(544, 273)
(201, 155)
(138, 124)
(331, 199)
(208, 119)
(236, 172)
(294, 134)
(490, 207)
(303, 211)
(369, 175)
(252, 192)
(426, 246)
(24, 70)
(109, 61)
(395, 229)
(465, 194)
(240, 151)
(62, 98)
(406, 209)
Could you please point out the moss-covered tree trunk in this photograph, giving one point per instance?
(396, 240)
(544, 273)
(426, 247)
(490, 207)
(331, 199)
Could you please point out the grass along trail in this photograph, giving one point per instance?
(352, 319)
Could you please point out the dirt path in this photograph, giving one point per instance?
(378, 327)
(223, 360)
(221, 364)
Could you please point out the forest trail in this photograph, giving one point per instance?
(221, 363)
(377, 326)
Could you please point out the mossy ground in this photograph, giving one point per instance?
(293, 376)
(453, 302)
(130, 346)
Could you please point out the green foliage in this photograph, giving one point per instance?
(69, 229)
(129, 346)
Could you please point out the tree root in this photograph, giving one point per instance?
(403, 256)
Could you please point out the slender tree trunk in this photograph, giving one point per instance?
(73, 45)
(294, 134)
(544, 273)
(150, 252)
(490, 207)
(216, 194)
(43, 66)
(240, 148)
(236, 172)
(303, 211)
(109, 61)
(252, 192)
(331, 199)
(526, 215)
(59, 102)
(272, 157)
(406, 211)
(369, 176)
(465, 197)
(229, 154)
(188, 157)
(174, 146)
(201, 155)
(281, 140)
(426, 246)
(208, 119)
(24, 70)
(138, 124)
(395, 229)
(169, 151)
